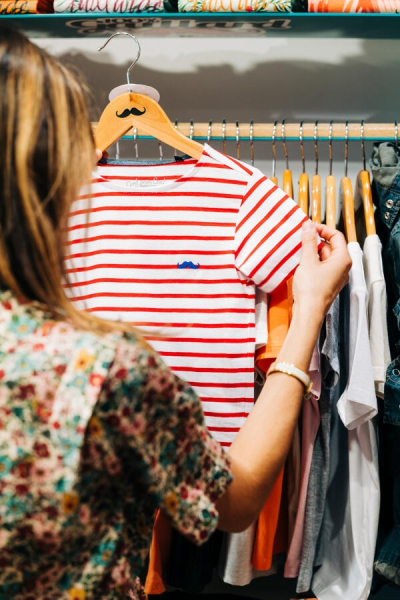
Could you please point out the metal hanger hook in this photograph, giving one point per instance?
(284, 144)
(362, 143)
(274, 149)
(330, 147)
(139, 50)
(209, 132)
(346, 149)
(316, 146)
(135, 142)
(237, 140)
(251, 136)
(224, 135)
(191, 129)
(396, 132)
(303, 158)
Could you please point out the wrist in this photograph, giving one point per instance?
(309, 314)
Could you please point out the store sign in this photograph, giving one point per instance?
(181, 26)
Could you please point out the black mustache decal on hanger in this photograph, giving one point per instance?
(130, 111)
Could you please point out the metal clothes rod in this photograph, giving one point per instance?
(264, 131)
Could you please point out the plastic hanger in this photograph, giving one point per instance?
(364, 192)
(330, 205)
(346, 195)
(287, 181)
(303, 179)
(316, 183)
(138, 110)
(274, 178)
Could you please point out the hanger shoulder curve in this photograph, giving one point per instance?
(346, 194)
(137, 110)
(287, 182)
(363, 189)
(316, 198)
(331, 201)
(304, 192)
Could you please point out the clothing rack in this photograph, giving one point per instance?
(221, 131)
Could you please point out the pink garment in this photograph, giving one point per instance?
(310, 425)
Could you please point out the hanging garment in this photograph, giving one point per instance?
(347, 566)
(377, 311)
(310, 424)
(354, 6)
(385, 164)
(108, 6)
(21, 7)
(234, 564)
(319, 471)
(159, 555)
(235, 5)
(177, 250)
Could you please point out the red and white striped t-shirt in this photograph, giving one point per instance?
(177, 249)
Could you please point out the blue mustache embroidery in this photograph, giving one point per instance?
(188, 264)
(132, 111)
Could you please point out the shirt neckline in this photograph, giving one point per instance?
(154, 189)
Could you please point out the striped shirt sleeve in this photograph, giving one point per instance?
(268, 234)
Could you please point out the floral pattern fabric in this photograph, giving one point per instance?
(95, 434)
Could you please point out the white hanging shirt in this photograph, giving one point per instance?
(347, 566)
(358, 402)
(377, 310)
(177, 249)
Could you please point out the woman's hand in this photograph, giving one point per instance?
(320, 275)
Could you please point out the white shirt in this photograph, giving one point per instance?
(377, 311)
(347, 568)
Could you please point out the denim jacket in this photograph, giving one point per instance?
(385, 166)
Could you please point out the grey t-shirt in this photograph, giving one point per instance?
(319, 472)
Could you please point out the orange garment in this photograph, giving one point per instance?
(21, 7)
(159, 555)
(354, 6)
(267, 526)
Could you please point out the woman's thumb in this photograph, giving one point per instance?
(309, 240)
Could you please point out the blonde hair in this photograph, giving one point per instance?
(46, 155)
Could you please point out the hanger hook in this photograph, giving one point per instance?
(330, 147)
(135, 142)
(316, 146)
(274, 149)
(139, 49)
(237, 140)
(303, 158)
(191, 129)
(252, 143)
(346, 149)
(284, 144)
(224, 135)
(209, 131)
(362, 143)
(396, 132)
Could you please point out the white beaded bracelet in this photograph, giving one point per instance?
(293, 371)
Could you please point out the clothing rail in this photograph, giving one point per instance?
(264, 131)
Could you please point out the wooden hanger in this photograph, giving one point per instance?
(136, 110)
(131, 109)
(316, 184)
(347, 198)
(330, 206)
(303, 179)
(364, 192)
(287, 180)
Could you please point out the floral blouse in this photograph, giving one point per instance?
(95, 434)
